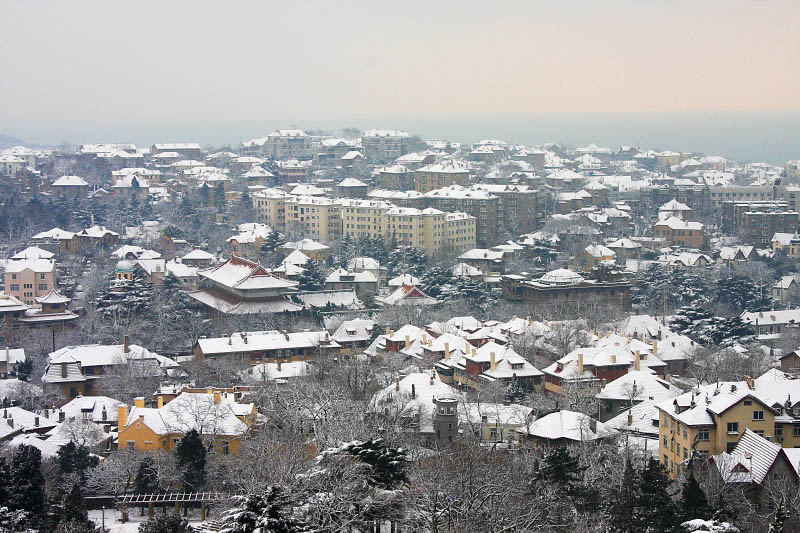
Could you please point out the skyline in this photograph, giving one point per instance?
(180, 62)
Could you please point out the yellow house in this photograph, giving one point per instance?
(216, 415)
(711, 420)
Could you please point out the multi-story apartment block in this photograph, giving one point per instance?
(383, 146)
(720, 195)
(399, 198)
(396, 178)
(516, 208)
(755, 223)
(439, 175)
(316, 218)
(330, 151)
(681, 232)
(280, 144)
(428, 229)
(479, 203)
(792, 169)
(711, 419)
(269, 206)
(185, 150)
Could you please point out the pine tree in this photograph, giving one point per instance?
(778, 521)
(74, 459)
(74, 507)
(388, 465)
(562, 469)
(169, 523)
(311, 278)
(436, 280)
(621, 508)
(5, 483)
(693, 503)
(192, 461)
(655, 509)
(268, 512)
(28, 481)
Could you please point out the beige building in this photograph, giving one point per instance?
(312, 217)
(382, 146)
(27, 279)
(269, 206)
(395, 178)
(712, 419)
(445, 174)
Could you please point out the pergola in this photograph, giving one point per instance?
(163, 498)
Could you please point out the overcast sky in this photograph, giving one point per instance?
(88, 67)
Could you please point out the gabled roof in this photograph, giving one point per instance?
(751, 460)
(33, 252)
(241, 273)
(406, 294)
(568, 425)
(70, 181)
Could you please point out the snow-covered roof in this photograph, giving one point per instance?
(341, 275)
(198, 255)
(297, 258)
(638, 385)
(750, 461)
(55, 234)
(676, 223)
(569, 425)
(406, 295)
(70, 181)
(52, 297)
(404, 279)
(253, 341)
(354, 330)
(240, 273)
(95, 408)
(34, 265)
(33, 252)
(561, 276)
(424, 387)
(194, 410)
(276, 371)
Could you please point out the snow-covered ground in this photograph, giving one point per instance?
(114, 519)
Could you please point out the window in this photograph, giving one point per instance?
(759, 432)
(41, 276)
(685, 432)
(14, 286)
(758, 415)
(778, 431)
(226, 448)
(666, 445)
(796, 431)
(43, 286)
(13, 276)
(730, 446)
(131, 444)
(748, 402)
(733, 427)
(703, 434)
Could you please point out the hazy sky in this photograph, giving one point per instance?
(81, 69)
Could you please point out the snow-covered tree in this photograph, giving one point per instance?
(270, 511)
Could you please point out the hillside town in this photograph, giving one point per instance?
(373, 331)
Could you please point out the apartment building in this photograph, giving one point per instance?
(185, 150)
(755, 223)
(681, 233)
(395, 178)
(517, 206)
(439, 175)
(399, 198)
(269, 206)
(711, 419)
(281, 144)
(70, 187)
(364, 218)
(312, 217)
(28, 279)
(384, 146)
(730, 193)
(480, 204)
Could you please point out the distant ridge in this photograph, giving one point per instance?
(7, 141)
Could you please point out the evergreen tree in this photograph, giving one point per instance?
(169, 523)
(76, 460)
(205, 193)
(74, 507)
(5, 483)
(311, 278)
(778, 521)
(655, 509)
(97, 210)
(388, 464)
(438, 280)
(693, 503)
(268, 512)
(192, 461)
(28, 481)
(562, 469)
(621, 508)
(219, 196)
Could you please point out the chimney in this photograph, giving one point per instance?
(139, 402)
(160, 401)
(10, 422)
(613, 359)
(230, 340)
(5, 413)
(285, 334)
(636, 364)
(63, 370)
(216, 398)
(104, 414)
(278, 363)
(397, 383)
(630, 418)
(446, 351)
(388, 330)
(431, 382)
(529, 320)
(408, 342)
(492, 362)
(62, 416)
(413, 391)
(655, 348)
(580, 365)
(36, 421)
(751, 384)
(126, 344)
